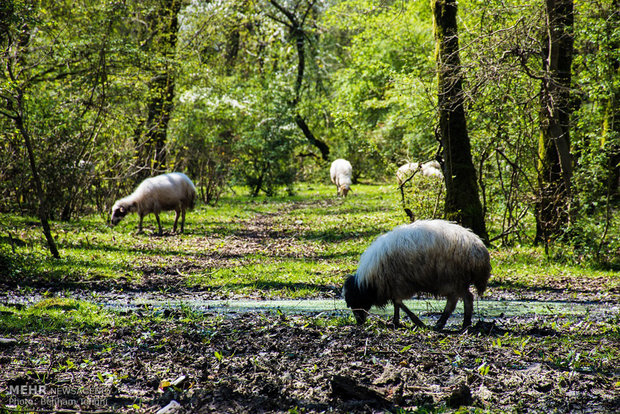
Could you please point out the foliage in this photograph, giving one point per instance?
(88, 73)
(54, 314)
(383, 84)
(281, 246)
(423, 196)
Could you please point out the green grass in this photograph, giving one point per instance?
(287, 246)
(52, 315)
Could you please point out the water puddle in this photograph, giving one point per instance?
(488, 308)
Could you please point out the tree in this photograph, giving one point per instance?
(555, 160)
(15, 32)
(462, 201)
(160, 43)
(296, 23)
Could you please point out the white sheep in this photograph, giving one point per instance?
(432, 169)
(340, 173)
(428, 169)
(435, 257)
(173, 191)
(405, 171)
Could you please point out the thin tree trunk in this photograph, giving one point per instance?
(462, 200)
(295, 26)
(43, 209)
(164, 25)
(16, 107)
(555, 161)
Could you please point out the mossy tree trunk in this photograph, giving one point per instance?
(555, 161)
(152, 132)
(611, 124)
(462, 200)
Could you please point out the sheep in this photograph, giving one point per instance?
(436, 257)
(173, 191)
(432, 169)
(405, 171)
(340, 173)
(428, 169)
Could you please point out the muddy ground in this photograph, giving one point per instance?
(272, 362)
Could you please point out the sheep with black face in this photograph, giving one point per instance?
(433, 257)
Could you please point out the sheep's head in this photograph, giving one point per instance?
(344, 190)
(360, 300)
(119, 211)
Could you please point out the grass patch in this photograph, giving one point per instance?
(288, 246)
(52, 315)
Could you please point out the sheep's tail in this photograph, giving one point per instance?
(481, 278)
(481, 286)
(192, 199)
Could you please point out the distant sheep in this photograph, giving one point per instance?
(432, 169)
(428, 169)
(166, 192)
(405, 171)
(436, 257)
(341, 173)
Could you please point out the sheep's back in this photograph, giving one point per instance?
(434, 257)
(340, 172)
(165, 192)
(405, 170)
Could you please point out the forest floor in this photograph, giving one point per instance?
(65, 354)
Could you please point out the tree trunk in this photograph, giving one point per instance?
(164, 25)
(16, 107)
(462, 200)
(611, 124)
(555, 161)
(295, 26)
(43, 212)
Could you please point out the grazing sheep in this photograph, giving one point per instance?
(432, 169)
(173, 191)
(428, 169)
(405, 171)
(428, 256)
(340, 173)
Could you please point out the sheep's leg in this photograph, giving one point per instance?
(140, 224)
(158, 224)
(182, 220)
(176, 219)
(450, 305)
(468, 304)
(396, 319)
(411, 315)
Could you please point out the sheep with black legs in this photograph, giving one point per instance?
(166, 192)
(340, 173)
(435, 257)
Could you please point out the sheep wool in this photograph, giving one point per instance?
(340, 173)
(433, 257)
(428, 169)
(166, 192)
